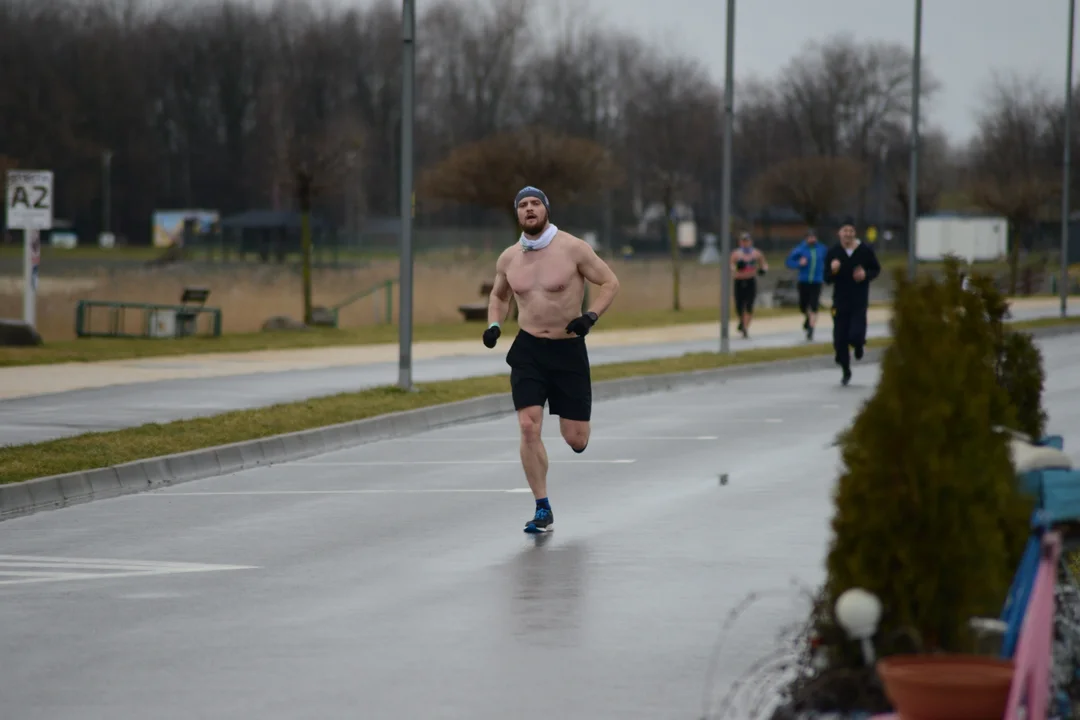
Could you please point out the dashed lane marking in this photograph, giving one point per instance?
(372, 491)
(27, 569)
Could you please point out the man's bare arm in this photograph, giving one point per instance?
(499, 299)
(596, 271)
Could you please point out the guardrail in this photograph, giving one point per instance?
(1029, 695)
(158, 321)
(387, 286)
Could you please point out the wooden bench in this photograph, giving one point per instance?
(478, 310)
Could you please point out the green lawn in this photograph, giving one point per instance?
(84, 252)
(93, 349)
(94, 450)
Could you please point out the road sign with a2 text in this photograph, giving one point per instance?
(29, 199)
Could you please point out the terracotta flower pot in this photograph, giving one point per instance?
(947, 686)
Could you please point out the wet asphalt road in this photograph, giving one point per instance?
(390, 582)
(45, 417)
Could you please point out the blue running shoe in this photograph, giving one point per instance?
(542, 522)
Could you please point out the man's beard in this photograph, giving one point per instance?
(534, 226)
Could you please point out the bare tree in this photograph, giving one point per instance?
(936, 172)
(845, 98)
(373, 47)
(1056, 140)
(763, 135)
(1011, 171)
(843, 95)
(814, 186)
(672, 125)
(578, 83)
(238, 59)
(471, 58)
(582, 83)
(764, 132)
(487, 173)
(215, 105)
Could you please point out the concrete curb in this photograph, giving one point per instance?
(57, 491)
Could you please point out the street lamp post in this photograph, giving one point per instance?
(725, 201)
(913, 173)
(405, 284)
(1064, 282)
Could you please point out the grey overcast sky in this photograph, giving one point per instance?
(964, 41)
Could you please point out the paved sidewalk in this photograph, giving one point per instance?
(23, 381)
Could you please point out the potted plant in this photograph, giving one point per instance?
(929, 516)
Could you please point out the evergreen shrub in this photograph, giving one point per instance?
(929, 515)
(1019, 364)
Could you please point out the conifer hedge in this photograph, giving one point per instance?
(929, 515)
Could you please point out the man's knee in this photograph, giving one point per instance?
(530, 421)
(576, 434)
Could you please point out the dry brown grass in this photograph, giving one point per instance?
(248, 296)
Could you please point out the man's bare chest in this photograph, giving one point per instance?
(531, 273)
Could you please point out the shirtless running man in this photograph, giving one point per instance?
(546, 273)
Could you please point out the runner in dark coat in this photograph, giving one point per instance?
(850, 266)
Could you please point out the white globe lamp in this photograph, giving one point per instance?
(859, 613)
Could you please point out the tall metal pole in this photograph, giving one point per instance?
(405, 284)
(1063, 283)
(913, 174)
(725, 201)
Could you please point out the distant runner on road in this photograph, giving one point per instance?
(808, 257)
(851, 265)
(747, 262)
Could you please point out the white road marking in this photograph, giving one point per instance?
(41, 559)
(416, 491)
(592, 439)
(723, 419)
(26, 569)
(794, 399)
(359, 463)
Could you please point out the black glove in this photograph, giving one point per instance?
(581, 325)
(491, 335)
(761, 271)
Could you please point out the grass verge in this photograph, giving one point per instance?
(94, 450)
(97, 349)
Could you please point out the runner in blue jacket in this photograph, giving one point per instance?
(808, 257)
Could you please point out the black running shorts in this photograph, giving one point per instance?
(809, 296)
(551, 370)
(745, 292)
